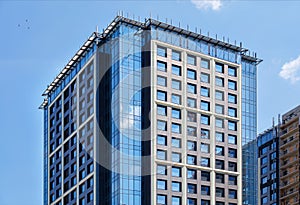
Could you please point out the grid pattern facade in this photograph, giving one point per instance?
(289, 158)
(71, 142)
(197, 130)
(268, 167)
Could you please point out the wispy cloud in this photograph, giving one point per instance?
(207, 4)
(291, 70)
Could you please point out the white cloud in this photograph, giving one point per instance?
(291, 70)
(207, 4)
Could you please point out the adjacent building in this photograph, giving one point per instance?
(268, 166)
(149, 113)
(289, 157)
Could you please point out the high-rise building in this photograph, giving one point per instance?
(149, 113)
(289, 157)
(268, 166)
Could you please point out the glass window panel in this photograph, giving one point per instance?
(162, 66)
(162, 125)
(191, 88)
(232, 98)
(219, 137)
(219, 123)
(176, 113)
(219, 109)
(232, 125)
(162, 140)
(161, 110)
(232, 112)
(161, 95)
(192, 146)
(204, 78)
(176, 186)
(219, 67)
(191, 174)
(176, 84)
(161, 154)
(162, 81)
(232, 153)
(192, 188)
(176, 142)
(176, 55)
(176, 128)
(219, 151)
(162, 169)
(204, 148)
(161, 184)
(204, 162)
(205, 134)
(232, 71)
(219, 95)
(191, 159)
(176, 172)
(204, 63)
(176, 157)
(161, 199)
(204, 105)
(161, 51)
(176, 99)
(232, 85)
(191, 102)
(205, 120)
(220, 81)
(204, 91)
(176, 70)
(191, 60)
(231, 139)
(191, 74)
(191, 117)
(191, 131)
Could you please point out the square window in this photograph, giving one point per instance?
(191, 117)
(204, 148)
(176, 186)
(161, 199)
(191, 201)
(162, 140)
(176, 84)
(220, 192)
(205, 120)
(220, 178)
(219, 67)
(192, 188)
(176, 99)
(162, 125)
(232, 85)
(161, 66)
(176, 128)
(204, 78)
(191, 159)
(205, 176)
(205, 134)
(219, 123)
(176, 200)
(192, 146)
(204, 63)
(191, 60)
(219, 164)
(191, 131)
(176, 157)
(191, 102)
(219, 151)
(219, 137)
(176, 113)
(232, 180)
(232, 166)
(161, 169)
(162, 110)
(176, 172)
(176, 70)
(204, 91)
(176, 55)
(161, 95)
(232, 98)
(219, 95)
(191, 174)
(232, 112)
(231, 139)
(205, 162)
(162, 81)
(161, 51)
(191, 88)
(220, 81)
(232, 153)
(219, 109)
(205, 190)
(204, 105)
(205, 202)
(232, 194)
(232, 125)
(191, 74)
(232, 71)
(176, 142)
(161, 154)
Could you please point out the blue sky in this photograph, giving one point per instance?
(38, 38)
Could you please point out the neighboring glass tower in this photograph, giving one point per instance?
(148, 113)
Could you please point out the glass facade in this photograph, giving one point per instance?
(249, 132)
